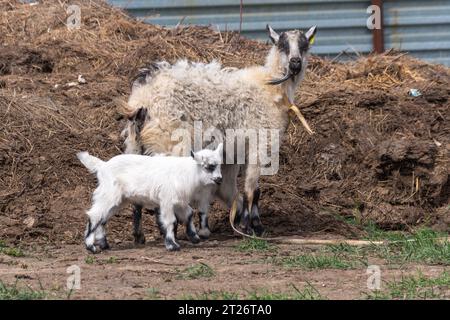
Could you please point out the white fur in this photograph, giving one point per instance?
(169, 183)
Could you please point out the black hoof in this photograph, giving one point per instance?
(139, 239)
(204, 234)
(195, 239)
(171, 245)
(103, 244)
(246, 230)
(259, 230)
(92, 249)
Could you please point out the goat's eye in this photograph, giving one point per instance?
(211, 167)
(303, 45)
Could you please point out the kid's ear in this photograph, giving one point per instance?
(219, 149)
(195, 156)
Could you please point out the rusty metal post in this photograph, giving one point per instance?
(378, 34)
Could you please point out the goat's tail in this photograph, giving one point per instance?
(90, 162)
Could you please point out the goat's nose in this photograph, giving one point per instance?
(295, 64)
(218, 180)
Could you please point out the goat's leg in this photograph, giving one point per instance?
(227, 191)
(255, 220)
(204, 231)
(204, 204)
(99, 215)
(191, 232)
(100, 232)
(138, 234)
(252, 220)
(100, 237)
(167, 221)
(157, 213)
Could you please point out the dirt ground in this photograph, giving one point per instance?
(127, 272)
(378, 156)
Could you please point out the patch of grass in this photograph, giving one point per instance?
(11, 251)
(16, 293)
(415, 287)
(316, 261)
(375, 233)
(200, 270)
(89, 259)
(254, 245)
(112, 260)
(421, 246)
(211, 295)
(309, 292)
(153, 294)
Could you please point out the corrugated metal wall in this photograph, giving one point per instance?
(419, 26)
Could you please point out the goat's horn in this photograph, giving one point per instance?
(278, 81)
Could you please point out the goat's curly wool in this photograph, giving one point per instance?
(177, 95)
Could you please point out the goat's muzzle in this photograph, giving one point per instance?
(295, 66)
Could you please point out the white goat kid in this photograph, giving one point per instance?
(169, 183)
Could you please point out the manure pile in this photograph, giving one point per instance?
(378, 154)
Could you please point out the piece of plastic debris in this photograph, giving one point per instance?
(72, 84)
(81, 79)
(414, 92)
(437, 143)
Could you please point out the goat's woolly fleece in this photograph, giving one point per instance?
(225, 98)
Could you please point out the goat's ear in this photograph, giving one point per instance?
(311, 34)
(273, 35)
(196, 157)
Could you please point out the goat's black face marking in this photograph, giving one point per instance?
(289, 38)
(210, 167)
(283, 44)
(303, 44)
